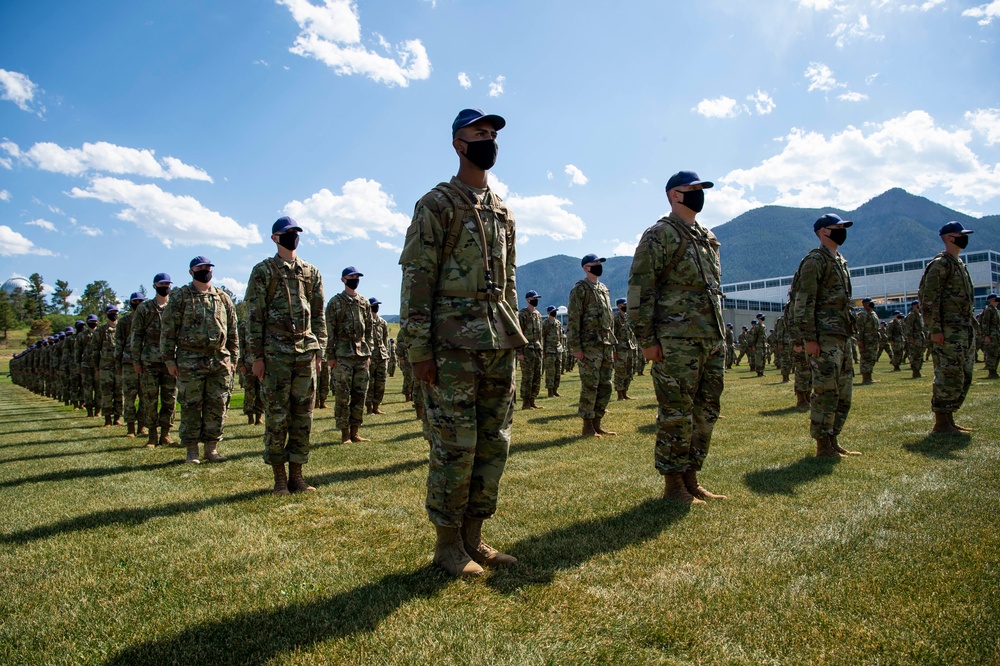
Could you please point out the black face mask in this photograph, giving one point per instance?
(533, 302)
(623, 308)
(695, 200)
(352, 283)
(596, 270)
(80, 327)
(112, 316)
(203, 276)
(838, 236)
(482, 153)
(962, 242)
(162, 291)
(289, 240)
(91, 325)
(135, 305)
(374, 309)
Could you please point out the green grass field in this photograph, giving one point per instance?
(114, 554)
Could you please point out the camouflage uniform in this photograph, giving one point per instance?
(990, 324)
(883, 347)
(626, 348)
(916, 339)
(159, 387)
(756, 341)
(103, 355)
(569, 361)
(820, 312)
(199, 336)
(379, 363)
(349, 342)
(530, 354)
(71, 370)
(869, 340)
(896, 341)
(590, 329)
(286, 330)
(741, 346)
(946, 295)
(391, 368)
(449, 315)
(404, 365)
(253, 401)
(553, 351)
(681, 310)
(783, 345)
(730, 348)
(323, 386)
(85, 362)
(123, 364)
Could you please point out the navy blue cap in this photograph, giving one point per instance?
(351, 270)
(993, 296)
(954, 228)
(162, 277)
(729, 325)
(531, 294)
(912, 303)
(466, 117)
(68, 329)
(687, 178)
(374, 301)
(760, 315)
(111, 308)
(551, 308)
(621, 301)
(80, 322)
(92, 317)
(283, 224)
(867, 300)
(897, 313)
(136, 296)
(592, 258)
(829, 220)
(200, 261)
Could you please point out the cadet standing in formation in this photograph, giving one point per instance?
(590, 330)
(348, 353)
(868, 339)
(253, 402)
(530, 356)
(758, 342)
(625, 349)
(676, 312)
(990, 324)
(822, 321)
(391, 367)
(552, 351)
(126, 369)
(158, 386)
(916, 338)
(200, 345)
(380, 359)
(730, 347)
(782, 345)
(458, 310)
(88, 371)
(897, 341)
(102, 350)
(947, 294)
(286, 338)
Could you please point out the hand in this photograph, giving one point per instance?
(319, 363)
(578, 355)
(173, 370)
(332, 363)
(938, 338)
(797, 349)
(520, 357)
(426, 371)
(812, 348)
(654, 353)
(258, 368)
(138, 368)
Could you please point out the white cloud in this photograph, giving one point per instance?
(18, 88)
(821, 78)
(849, 167)
(625, 248)
(720, 107)
(172, 219)
(232, 284)
(576, 176)
(496, 86)
(985, 13)
(541, 215)
(464, 81)
(924, 7)
(549, 175)
(860, 29)
(42, 224)
(819, 5)
(4, 195)
(331, 33)
(389, 246)
(6, 163)
(763, 102)
(724, 202)
(984, 121)
(852, 96)
(89, 231)
(870, 79)
(103, 156)
(13, 243)
(361, 208)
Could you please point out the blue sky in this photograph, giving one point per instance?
(134, 136)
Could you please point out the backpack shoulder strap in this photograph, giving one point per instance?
(681, 249)
(459, 208)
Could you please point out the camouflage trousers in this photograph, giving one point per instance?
(288, 391)
(407, 371)
(111, 392)
(376, 382)
(75, 386)
(322, 385)
(832, 384)
(569, 361)
(130, 392)
(159, 395)
(916, 349)
(739, 355)
(869, 357)
(469, 414)
(783, 358)
(531, 372)
(639, 362)
(803, 372)
(203, 388)
(253, 401)
(991, 354)
(897, 348)
(350, 387)
(553, 363)
(624, 369)
(89, 382)
(759, 360)
(391, 365)
(730, 355)
(953, 365)
(596, 369)
(688, 383)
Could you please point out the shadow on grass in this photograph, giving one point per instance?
(526, 447)
(554, 417)
(939, 446)
(648, 429)
(45, 456)
(783, 411)
(784, 480)
(88, 473)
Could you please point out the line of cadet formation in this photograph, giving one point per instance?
(461, 334)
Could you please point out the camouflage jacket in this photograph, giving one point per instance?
(68, 364)
(730, 338)
(102, 347)
(742, 339)
(781, 336)
(755, 340)
(623, 331)
(914, 328)
(245, 360)
(348, 326)
(946, 294)
(84, 359)
(531, 327)
(590, 324)
(147, 323)
(821, 297)
(869, 329)
(990, 323)
(552, 335)
(123, 340)
(675, 299)
(402, 349)
(284, 315)
(380, 338)
(895, 330)
(448, 306)
(202, 323)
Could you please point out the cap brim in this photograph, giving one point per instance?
(350, 274)
(497, 121)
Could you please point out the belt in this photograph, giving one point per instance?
(478, 295)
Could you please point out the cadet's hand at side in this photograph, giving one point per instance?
(258, 368)
(938, 338)
(812, 348)
(425, 371)
(654, 353)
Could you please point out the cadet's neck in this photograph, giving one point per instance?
(200, 286)
(472, 175)
(829, 244)
(350, 292)
(593, 278)
(684, 213)
(286, 254)
(952, 249)
(161, 300)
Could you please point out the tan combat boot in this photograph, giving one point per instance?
(916, 374)
(556, 393)
(258, 419)
(552, 392)
(535, 405)
(450, 555)
(841, 450)
(280, 479)
(697, 490)
(674, 490)
(601, 431)
(824, 448)
(107, 420)
(140, 429)
(131, 429)
(588, 429)
(376, 410)
(962, 429)
(192, 454)
(211, 455)
(249, 419)
(296, 483)
(481, 552)
(621, 395)
(151, 442)
(90, 411)
(165, 436)
(355, 437)
(525, 405)
(345, 435)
